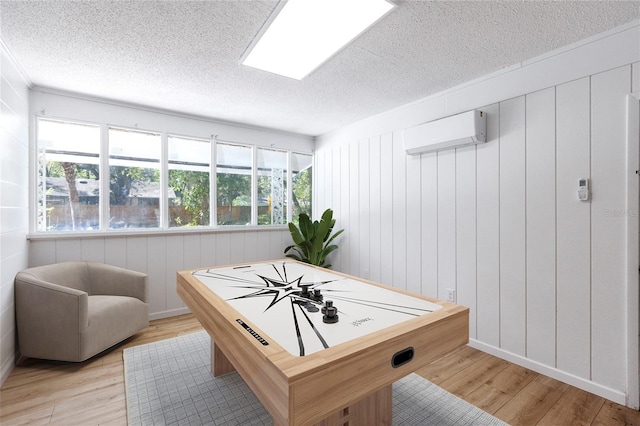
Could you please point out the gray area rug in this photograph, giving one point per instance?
(170, 383)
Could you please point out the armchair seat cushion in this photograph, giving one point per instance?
(112, 319)
(72, 311)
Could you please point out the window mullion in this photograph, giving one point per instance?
(254, 185)
(213, 187)
(103, 200)
(164, 181)
(289, 187)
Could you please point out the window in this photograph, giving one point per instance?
(272, 187)
(134, 179)
(234, 170)
(68, 183)
(189, 165)
(155, 180)
(301, 183)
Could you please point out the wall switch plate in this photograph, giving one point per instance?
(451, 295)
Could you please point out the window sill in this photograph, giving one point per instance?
(152, 232)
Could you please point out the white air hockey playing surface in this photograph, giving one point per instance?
(270, 295)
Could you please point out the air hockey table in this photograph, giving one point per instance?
(318, 347)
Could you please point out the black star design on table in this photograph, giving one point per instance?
(280, 289)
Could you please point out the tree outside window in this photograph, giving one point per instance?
(233, 184)
(72, 192)
(68, 190)
(272, 187)
(301, 184)
(134, 179)
(189, 167)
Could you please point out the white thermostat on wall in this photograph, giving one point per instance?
(583, 189)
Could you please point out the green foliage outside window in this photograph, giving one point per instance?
(70, 195)
(192, 194)
(72, 172)
(301, 185)
(123, 179)
(191, 190)
(81, 171)
(233, 191)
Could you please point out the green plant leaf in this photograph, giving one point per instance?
(321, 234)
(306, 226)
(326, 251)
(334, 236)
(313, 239)
(293, 256)
(295, 233)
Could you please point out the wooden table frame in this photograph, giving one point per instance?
(350, 382)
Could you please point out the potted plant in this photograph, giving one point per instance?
(313, 239)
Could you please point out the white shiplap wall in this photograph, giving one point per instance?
(500, 223)
(161, 256)
(14, 195)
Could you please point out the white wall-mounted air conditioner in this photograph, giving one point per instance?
(468, 128)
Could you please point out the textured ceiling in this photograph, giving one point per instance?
(185, 55)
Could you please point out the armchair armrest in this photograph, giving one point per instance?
(115, 281)
(48, 316)
(38, 299)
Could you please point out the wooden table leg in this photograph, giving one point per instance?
(220, 364)
(374, 409)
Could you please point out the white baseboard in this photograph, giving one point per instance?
(586, 385)
(7, 368)
(169, 313)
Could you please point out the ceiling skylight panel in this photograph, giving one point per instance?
(305, 33)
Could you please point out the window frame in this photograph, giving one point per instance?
(287, 181)
(162, 164)
(35, 176)
(252, 191)
(212, 182)
(163, 227)
(291, 208)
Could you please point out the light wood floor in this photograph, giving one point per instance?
(92, 392)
